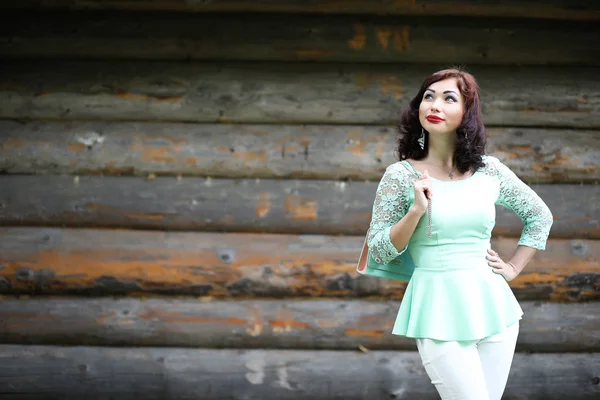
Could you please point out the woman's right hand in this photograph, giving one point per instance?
(423, 191)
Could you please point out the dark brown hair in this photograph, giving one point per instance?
(469, 150)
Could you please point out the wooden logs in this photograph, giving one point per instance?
(247, 205)
(298, 93)
(268, 324)
(268, 151)
(157, 373)
(579, 10)
(244, 37)
(104, 262)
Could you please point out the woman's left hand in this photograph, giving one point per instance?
(500, 267)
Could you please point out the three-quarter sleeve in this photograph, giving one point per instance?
(390, 205)
(520, 198)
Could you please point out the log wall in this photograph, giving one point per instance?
(225, 265)
(189, 174)
(259, 374)
(244, 205)
(288, 93)
(298, 38)
(328, 152)
(267, 324)
(156, 373)
(579, 10)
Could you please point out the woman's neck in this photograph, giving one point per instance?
(441, 152)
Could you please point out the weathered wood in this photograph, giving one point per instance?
(283, 93)
(245, 205)
(104, 262)
(155, 373)
(268, 151)
(279, 324)
(580, 10)
(298, 38)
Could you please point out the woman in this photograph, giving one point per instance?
(439, 203)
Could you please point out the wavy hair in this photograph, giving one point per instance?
(470, 134)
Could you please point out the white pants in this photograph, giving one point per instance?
(470, 370)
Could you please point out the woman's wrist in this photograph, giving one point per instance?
(417, 211)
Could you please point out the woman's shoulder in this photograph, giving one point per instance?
(494, 162)
(491, 164)
(496, 169)
(400, 171)
(489, 159)
(402, 168)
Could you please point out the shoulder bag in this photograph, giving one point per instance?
(400, 268)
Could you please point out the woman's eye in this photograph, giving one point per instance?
(428, 96)
(450, 98)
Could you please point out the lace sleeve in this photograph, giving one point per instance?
(391, 204)
(520, 198)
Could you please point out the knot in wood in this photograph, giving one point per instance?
(24, 274)
(226, 255)
(579, 248)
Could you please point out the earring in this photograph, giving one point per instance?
(421, 139)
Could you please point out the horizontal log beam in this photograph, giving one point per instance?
(296, 93)
(267, 324)
(245, 37)
(269, 151)
(104, 262)
(580, 10)
(286, 206)
(155, 373)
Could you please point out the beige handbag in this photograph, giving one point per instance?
(401, 268)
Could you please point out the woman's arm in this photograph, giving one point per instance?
(402, 230)
(517, 196)
(535, 214)
(392, 221)
(512, 268)
(521, 258)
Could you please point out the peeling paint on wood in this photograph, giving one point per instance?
(155, 373)
(322, 93)
(295, 206)
(102, 262)
(359, 39)
(302, 37)
(285, 324)
(299, 208)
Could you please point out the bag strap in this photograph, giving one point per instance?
(361, 266)
(412, 169)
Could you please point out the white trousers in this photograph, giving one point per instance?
(470, 370)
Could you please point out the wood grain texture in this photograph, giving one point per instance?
(155, 373)
(105, 262)
(245, 205)
(266, 324)
(298, 93)
(579, 10)
(269, 151)
(260, 37)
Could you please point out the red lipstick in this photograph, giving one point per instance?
(433, 119)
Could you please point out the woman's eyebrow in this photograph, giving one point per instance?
(447, 91)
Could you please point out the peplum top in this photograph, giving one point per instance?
(453, 293)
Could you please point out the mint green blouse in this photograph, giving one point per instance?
(453, 293)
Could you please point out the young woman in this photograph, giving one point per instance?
(439, 202)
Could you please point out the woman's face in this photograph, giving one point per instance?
(442, 107)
